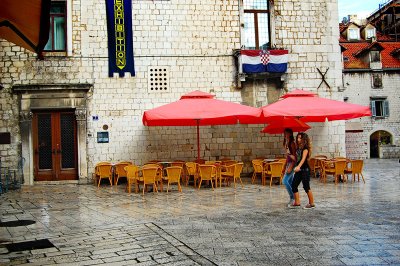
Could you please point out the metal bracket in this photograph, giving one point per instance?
(323, 78)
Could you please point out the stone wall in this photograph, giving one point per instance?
(194, 40)
(358, 88)
(389, 151)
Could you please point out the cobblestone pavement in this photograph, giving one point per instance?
(353, 224)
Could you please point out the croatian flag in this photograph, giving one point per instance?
(258, 61)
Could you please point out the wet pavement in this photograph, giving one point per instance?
(353, 224)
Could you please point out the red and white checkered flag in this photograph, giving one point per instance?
(264, 54)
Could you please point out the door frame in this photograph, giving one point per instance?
(371, 132)
(57, 172)
(52, 97)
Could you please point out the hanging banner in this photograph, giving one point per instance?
(120, 41)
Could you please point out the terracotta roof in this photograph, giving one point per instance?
(388, 55)
(388, 60)
(342, 27)
(353, 62)
(382, 37)
(366, 49)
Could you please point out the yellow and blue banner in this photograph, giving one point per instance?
(120, 40)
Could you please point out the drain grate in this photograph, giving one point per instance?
(16, 223)
(29, 245)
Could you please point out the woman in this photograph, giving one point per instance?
(290, 148)
(302, 171)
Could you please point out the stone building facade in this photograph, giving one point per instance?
(371, 76)
(193, 43)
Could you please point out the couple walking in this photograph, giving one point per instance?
(296, 167)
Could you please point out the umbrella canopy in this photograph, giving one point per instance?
(25, 23)
(277, 127)
(199, 109)
(310, 108)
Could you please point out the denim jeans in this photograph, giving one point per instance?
(287, 181)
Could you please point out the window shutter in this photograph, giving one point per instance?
(373, 109)
(386, 108)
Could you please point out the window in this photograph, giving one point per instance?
(377, 80)
(256, 24)
(375, 56)
(354, 34)
(370, 34)
(57, 36)
(379, 107)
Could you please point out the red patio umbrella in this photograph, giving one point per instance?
(277, 127)
(310, 108)
(199, 109)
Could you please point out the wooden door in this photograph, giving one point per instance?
(55, 146)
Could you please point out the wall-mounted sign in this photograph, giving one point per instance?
(5, 138)
(102, 137)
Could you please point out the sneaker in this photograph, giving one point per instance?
(293, 206)
(291, 202)
(309, 206)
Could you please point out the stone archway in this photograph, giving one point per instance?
(376, 139)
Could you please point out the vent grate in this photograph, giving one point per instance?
(158, 79)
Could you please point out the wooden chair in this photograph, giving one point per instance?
(132, 176)
(273, 169)
(191, 170)
(213, 162)
(228, 162)
(258, 169)
(103, 170)
(356, 169)
(149, 177)
(207, 172)
(183, 172)
(200, 161)
(159, 173)
(174, 176)
(340, 158)
(314, 166)
(233, 172)
(337, 170)
(119, 171)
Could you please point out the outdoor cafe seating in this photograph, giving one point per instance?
(173, 176)
(258, 169)
(192, 172)
(207, 172)
(355, 169)
(119, 170)
(232, 173)
(132, 176)
(273, 169)
(103, 170)
(335, 168)
(150, 176)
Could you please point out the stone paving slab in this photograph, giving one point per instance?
(353, 224)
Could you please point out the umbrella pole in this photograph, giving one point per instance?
(198, 139)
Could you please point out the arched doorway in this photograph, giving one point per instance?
(377, 139)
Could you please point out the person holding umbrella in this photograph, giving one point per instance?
(290, 148)
(302, 171)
